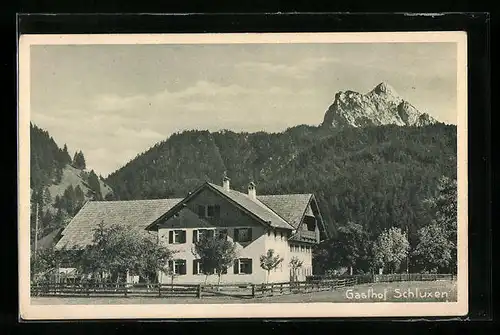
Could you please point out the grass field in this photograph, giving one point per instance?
(430, 291)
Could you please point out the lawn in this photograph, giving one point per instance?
(427, 291)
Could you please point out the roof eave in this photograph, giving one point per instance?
(154, 225)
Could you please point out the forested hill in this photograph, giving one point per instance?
(377, 176)
(59, 184)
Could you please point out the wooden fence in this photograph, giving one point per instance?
(412, 277)
(376, 278)
(185, 290)
(243, 291)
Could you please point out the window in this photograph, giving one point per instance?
(243, 234)
(243, 266)
(223, 234)
(197, 234)
(177, 236)
(177, 266)
(198, 269)
(210, 211)
(310, 222)
(201, 211)
(213, 211)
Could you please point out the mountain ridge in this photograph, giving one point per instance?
(59, 186)
(380, 106)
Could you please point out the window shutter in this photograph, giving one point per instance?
(250, 234)
(171, 237)
(236, 267)
(182, 270)
(183, 236)
(250, 266)
(171, 265)
(201, 211)
(236, 233)
(195, 236)
(195, 266)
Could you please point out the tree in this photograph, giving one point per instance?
(68, 200)
(66, 158)
(390, 249)
(270, 261)
(295, 265)
(113, 251)
(349, 248)
(434, 249)
(109, 196)
(152, 259)
(47, 199)
(45, 260)
(79, 161)
(443, 206)
(94, 185)
(79, 198)
(215, 254)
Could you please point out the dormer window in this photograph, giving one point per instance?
(243, 235)
(310, 223)
(209, 211)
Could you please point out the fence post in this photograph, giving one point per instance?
(126, 289)
(281, 288)
(272, 289)
(253, 290)
(159, 289)
(199, 291)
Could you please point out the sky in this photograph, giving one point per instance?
(114, 102)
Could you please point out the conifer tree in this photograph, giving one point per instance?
(66, 158)
(95, 185)
(79, 161)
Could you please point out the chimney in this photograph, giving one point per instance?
(252, 194)
(225, 182)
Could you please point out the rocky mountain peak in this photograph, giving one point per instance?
(385, 88)
(382, 105)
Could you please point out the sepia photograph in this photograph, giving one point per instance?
(242, 175)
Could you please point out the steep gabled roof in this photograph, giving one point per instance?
(49, 240)
(256, 207)
(278, 211)
(291, 207)
(136, 214)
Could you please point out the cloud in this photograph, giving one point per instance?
(113, 128)
(300, 69)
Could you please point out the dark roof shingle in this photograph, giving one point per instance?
(290, 207)
(256, 207)
(136, 214)
(281, 211)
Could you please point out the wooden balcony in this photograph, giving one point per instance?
(306, 236)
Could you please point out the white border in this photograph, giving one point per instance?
(269, 310)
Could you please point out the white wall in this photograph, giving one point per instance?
(306, 258)
(279, 244)
(185, 251)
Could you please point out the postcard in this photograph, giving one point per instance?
(242, 175)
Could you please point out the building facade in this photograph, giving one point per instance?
(289, 224)
(291, 229)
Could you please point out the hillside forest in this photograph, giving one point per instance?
(367, 181)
